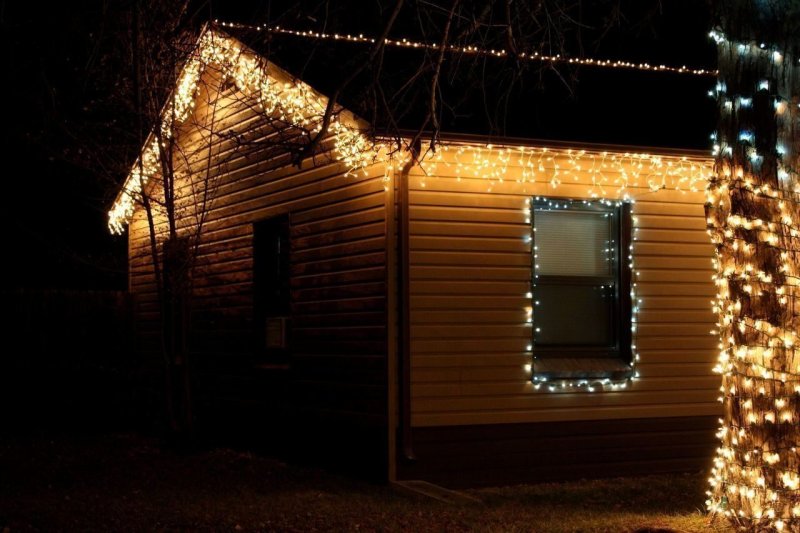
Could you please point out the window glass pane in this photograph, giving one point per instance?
(271, 266)
(573, 243)
(573, 315)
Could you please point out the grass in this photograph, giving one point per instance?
(131, 483)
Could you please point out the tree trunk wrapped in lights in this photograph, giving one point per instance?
(753, 211)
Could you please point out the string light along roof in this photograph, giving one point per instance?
(295, 103)
(473, 50)
(609, 173)
(279, 95)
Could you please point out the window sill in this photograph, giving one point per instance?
(581, 368)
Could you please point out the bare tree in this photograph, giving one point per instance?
(164, 91)
(411, 98)
(176, 201)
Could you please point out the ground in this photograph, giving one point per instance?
(133, 483)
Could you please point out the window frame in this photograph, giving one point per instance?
(588, 361)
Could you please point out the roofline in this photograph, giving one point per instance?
(272, 70)
(452, 137)
(207, 26)
(475, 138)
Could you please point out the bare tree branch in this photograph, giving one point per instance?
(432, 115)
(333, 98)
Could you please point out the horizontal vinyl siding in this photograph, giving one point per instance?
(338, 267)
(470, 272)
(474, 455)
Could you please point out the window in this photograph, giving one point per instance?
(272, 294)
(581, 289)
(176, 274)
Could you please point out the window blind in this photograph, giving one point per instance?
(573, 243)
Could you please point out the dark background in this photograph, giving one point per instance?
(53, 221)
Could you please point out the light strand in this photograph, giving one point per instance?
(291, 102)
(611, 174)
(297, 105)
(474, 50)
(626, 261)
(755, 227)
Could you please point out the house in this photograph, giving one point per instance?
(492, 313)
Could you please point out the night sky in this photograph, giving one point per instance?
(54, 214)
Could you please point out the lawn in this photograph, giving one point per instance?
(131, 483)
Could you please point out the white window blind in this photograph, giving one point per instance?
(573, 243)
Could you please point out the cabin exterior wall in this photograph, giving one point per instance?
(476, 416)
(328, 402)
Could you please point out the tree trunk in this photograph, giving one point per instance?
(178, 384)
(753, 217)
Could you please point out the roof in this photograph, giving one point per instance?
(276, 90)
(497, 95)
(297, 102)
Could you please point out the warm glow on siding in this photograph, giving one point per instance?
(291, 102)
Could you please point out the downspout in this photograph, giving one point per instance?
(404, 316)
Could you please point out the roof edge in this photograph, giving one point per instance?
(477, 138)
(123, 205)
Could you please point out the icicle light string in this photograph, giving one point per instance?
(295, 103)
(292, 102)
(611, 174)
(472, 50)
(623, 175)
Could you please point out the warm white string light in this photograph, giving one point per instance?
(292, 102)
(755, 479)
(613, 176)
(473, 50)
(298, 105)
